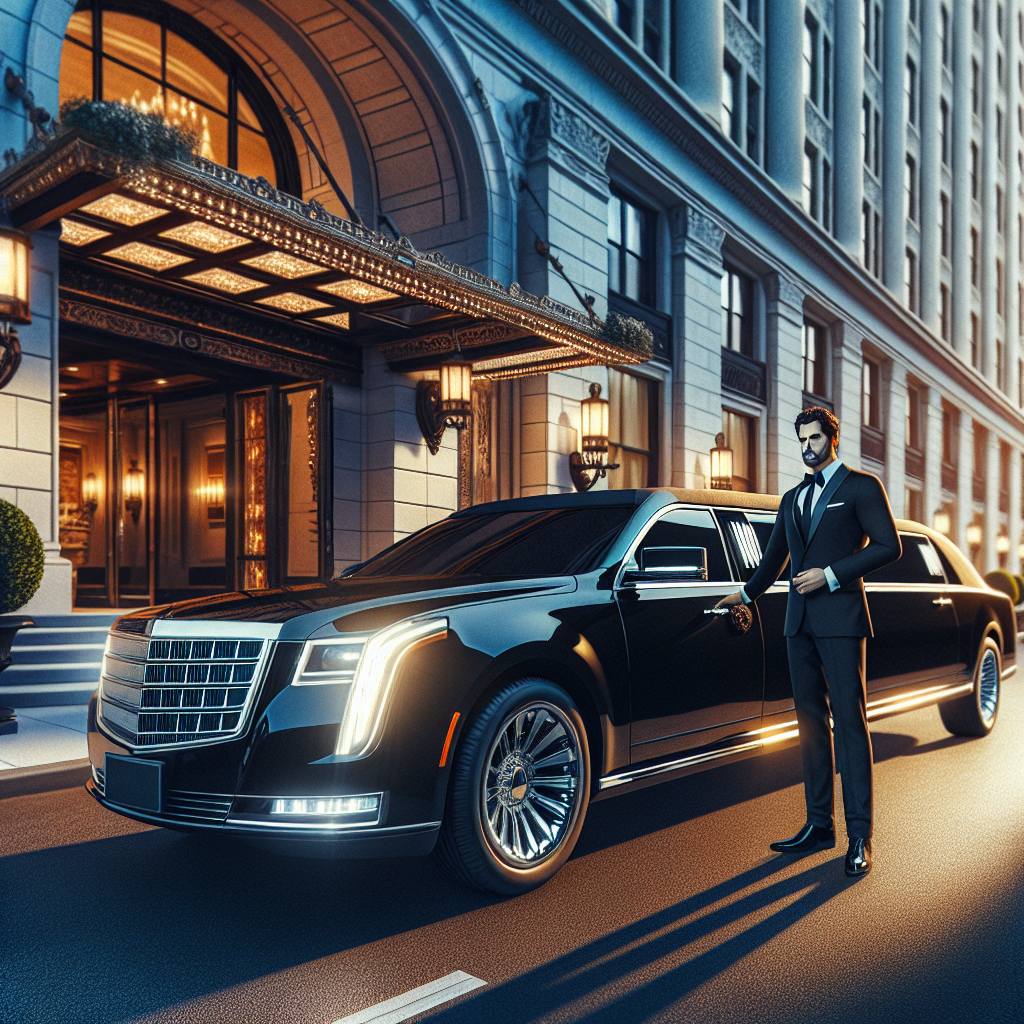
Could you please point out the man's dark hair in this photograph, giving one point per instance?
(827, 419)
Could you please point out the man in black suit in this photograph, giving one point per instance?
(822, 527)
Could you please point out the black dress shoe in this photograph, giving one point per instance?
(858, 858)
(810, 837)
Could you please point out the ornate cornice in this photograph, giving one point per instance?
(444, 344)
(781, 289)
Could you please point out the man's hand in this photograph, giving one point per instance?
(808, 580)
(729, 599)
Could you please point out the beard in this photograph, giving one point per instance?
(815, 459)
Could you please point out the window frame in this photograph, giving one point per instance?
(647, 257)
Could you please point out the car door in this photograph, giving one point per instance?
(693, 679)
(913, 619)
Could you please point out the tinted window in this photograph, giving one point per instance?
(539, 542)
(744, 541)
(918, 564)
(690, 528)
(763, 524)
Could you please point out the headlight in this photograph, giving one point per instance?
(381, 656)
(329, 661)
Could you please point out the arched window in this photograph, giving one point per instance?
(158, 59)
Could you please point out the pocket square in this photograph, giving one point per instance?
(837, 504)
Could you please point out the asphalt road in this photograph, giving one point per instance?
(672, 909)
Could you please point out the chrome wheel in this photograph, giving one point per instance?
(988, 685)
(531, 790)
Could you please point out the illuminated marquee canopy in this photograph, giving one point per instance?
(209, 229)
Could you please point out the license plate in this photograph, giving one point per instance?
(129, 782)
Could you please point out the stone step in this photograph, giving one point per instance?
(46, 695)
(35, 654)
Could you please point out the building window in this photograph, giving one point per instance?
(741, 436)
(975, 87)
(167, 65)
(753, 116)
(944, 31)
(730, 112)
(623, 15)
(975, 340)
(910, 87)
(910, 280)
(944, 311)
(631, 250)
(865, 130)
(999, 362)
(910, 186)
(652, 29)
(974, 257)
(1000, 289)
(876, 150)
(999, 209)
(974, 170)
(877, 48)
(976, 15)
(865, 233)
(738, 312)
(870, 407)
(944, 131)
(999, 134)
(811, 58)
(814, 343)
(944, 223)
(876, 251)
(826, 77)
(826, 195)
(914, 418)
(632, 430)
(865, 20)
(810, 180)
(950, 428)
(912, 12)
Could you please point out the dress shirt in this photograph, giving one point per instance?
(800, 497)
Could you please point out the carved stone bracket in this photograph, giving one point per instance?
(782, 289)
(696, 234)
(560, 134)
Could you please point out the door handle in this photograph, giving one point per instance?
(942, 600)
(716, 611)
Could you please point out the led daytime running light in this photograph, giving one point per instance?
(378, 667)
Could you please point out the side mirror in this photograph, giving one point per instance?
(674, 563)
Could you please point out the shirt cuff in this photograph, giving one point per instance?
(830, 577)
(743, 594)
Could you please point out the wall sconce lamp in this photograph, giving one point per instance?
(721, 465)
(1002, 544)
(134, 490)
(941, 522)
(587, 468)
(14, 295)
(974, 535)
(90, 494)
(447, 402)
(211, 494)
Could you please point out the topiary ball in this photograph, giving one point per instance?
(1020, 587)
(21, 558)
(1000, 579)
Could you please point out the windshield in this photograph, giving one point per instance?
(539, 542)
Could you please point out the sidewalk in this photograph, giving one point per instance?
(48, 751)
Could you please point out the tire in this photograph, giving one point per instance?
(975, 713)
(519, 791)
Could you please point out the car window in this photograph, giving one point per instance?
(538, 542)
(689, 528)
(743, 540)
(919, 563)
(763, 523)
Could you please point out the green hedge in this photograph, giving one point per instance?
(21, 558)
(129, 132)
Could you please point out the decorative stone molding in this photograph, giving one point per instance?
(691, 228)
(552, 120)
(781, 289)
(872, 191)
(743, 43)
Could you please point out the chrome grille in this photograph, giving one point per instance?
(186, 806)
(171, 691)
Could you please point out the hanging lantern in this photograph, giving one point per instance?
(721, 465)
(586, 469)
(14, 274)
(941, 522)
(134, 490)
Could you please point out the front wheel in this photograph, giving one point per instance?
(974, 714)
(519, 791)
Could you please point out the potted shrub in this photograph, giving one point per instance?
(1000, 579)
(21, 571)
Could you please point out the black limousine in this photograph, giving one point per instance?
(468, 691)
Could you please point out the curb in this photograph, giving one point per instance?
(44, 778)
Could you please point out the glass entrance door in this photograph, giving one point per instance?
(132, 460)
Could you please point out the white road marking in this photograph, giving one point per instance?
(417, 1000)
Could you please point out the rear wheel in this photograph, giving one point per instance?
(974, 714)
(519, 791)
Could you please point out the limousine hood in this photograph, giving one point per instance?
(354, 604)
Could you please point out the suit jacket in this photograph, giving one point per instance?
(852, 510)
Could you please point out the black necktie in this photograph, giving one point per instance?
(811, 479)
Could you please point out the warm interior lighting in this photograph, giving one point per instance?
(223, 281)
(14, 275)
(207, 237)
(594, 421)
(357, 291)
(75, 233)
(211, 494)
(123, 210)
(90, 493)
(161, 380)
(974, 535)
(721, 465)
(134, 486)
(456, 393)
(292, 302)
(1002, 544)
(147, 256)
(941, 522)
(335, 320)
(283, 265)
